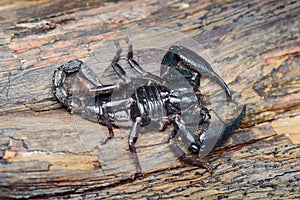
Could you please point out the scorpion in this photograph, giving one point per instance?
(78, 88)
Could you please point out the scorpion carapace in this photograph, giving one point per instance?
(149, 99)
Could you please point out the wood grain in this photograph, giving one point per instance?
(45, 152)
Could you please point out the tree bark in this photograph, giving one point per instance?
(46, 152)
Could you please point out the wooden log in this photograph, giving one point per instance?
(46, 152)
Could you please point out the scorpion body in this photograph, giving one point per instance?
(148, 100)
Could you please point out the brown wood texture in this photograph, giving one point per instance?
(45, 152)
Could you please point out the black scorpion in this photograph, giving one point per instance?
(78, 88)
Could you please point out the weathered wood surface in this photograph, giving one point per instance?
(46, 152)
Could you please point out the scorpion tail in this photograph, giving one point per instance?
(230, 127)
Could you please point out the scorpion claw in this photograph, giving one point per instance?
(193, 62)
(218, 134)
(230, 127)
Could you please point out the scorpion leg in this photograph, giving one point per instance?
(179, 55)
(182, 156)
(178, 125)
(180, 153)
(107, 121)
(122, 74)
(136, 66)
(104, 89)
(103, 115)
(131, 141)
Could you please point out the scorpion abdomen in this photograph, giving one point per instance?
(152, 102)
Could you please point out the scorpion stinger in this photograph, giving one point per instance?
(71, 86)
